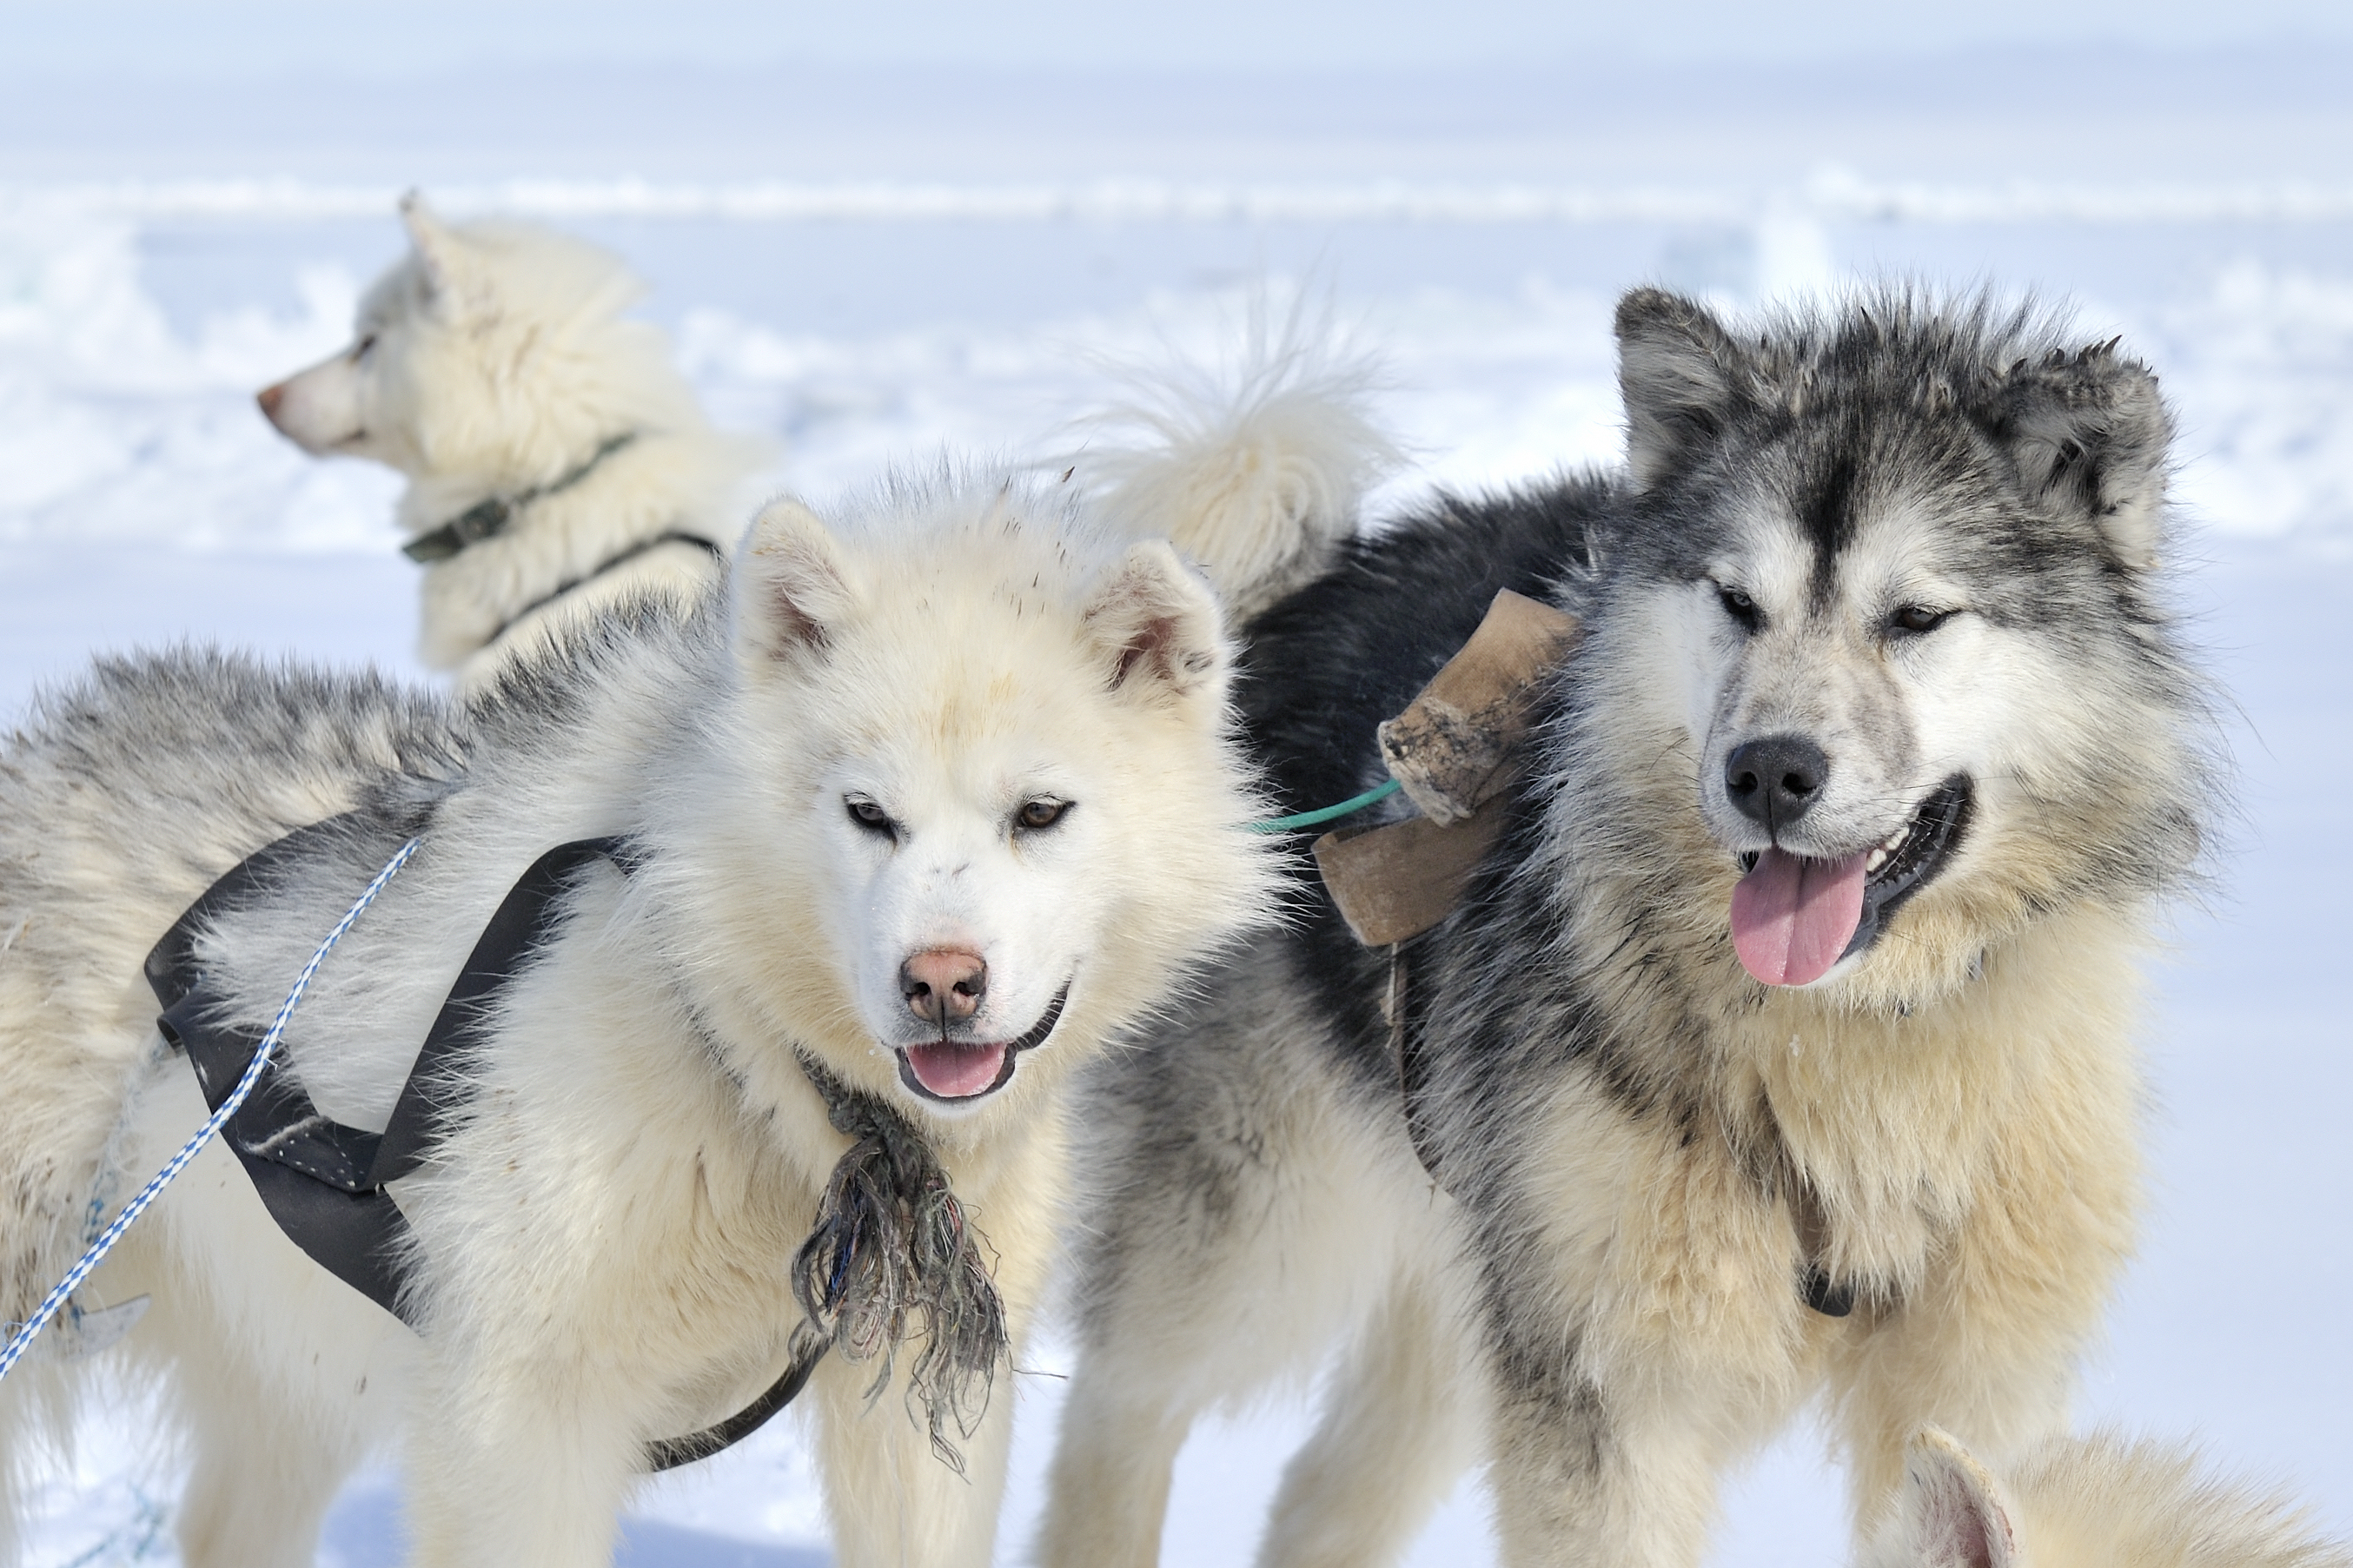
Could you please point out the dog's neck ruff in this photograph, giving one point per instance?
(890, 1243)
(489, 517)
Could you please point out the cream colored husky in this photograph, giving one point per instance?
(938, 802)
(557, 461)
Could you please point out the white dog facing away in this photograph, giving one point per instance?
(557, 461)
(2098, 1502)
(883, 843)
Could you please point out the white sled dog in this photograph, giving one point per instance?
(1780, 1047)
(2098, 1502)
(557, 462)
(881, 846)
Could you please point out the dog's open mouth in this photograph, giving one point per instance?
(956, 1071)
(1793, 919)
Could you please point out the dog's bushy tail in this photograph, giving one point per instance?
(1257, 472)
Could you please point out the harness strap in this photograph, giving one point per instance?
(1832, 1296)
(669, 1453)
(1400, 1000)
(323, 1183)
(709, 547)
(489, 518)
(305, 1167)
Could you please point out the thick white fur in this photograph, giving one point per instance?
(1258, 473)
(2098, 1502)
(494, 359)
(602, 1241)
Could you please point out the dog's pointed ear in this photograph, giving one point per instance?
(795, 587)
(1954, 1513)
(437, 247)
(1158, 627)
(2090, 434)
(1680, 375)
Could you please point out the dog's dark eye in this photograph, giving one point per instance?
(871, 816)
(1041, 813)
(364, 347)
(1914, 619)
(1740, 607)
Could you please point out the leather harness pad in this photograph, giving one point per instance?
(1455, 748)
(323, 1183)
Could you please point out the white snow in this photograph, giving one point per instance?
(879, 315)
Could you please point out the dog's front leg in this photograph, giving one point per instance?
(1399, 1426)
(1583, 1476)
(517, 1468)
(1985, 1345)
(1642, 1331)
(894, 1503)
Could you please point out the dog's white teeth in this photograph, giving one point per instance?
(1876, 858)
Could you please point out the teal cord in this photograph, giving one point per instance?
(1326, 814)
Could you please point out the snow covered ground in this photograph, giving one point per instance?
(869, 289)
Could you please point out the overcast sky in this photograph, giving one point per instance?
(176, 37)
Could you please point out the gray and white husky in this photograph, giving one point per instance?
(938, 801)
(1781, 1051)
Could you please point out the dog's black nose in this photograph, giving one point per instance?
(1775, 780)
(944, 985)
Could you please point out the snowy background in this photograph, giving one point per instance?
(936, 225)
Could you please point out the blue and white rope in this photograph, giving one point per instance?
(58, 1298)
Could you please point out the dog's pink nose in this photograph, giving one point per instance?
(270, 397)
(944, 985)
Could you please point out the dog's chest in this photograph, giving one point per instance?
(1874, 1160)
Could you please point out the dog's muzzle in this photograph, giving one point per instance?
(1795, 918)
(964, 1072)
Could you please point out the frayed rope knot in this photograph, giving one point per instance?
(891, 1245)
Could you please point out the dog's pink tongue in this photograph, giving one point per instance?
(1791, 917)
(955, 1071)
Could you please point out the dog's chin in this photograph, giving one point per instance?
(348, 444)
(950, 1072)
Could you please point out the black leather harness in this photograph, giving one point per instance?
(323, 1183)
(489, 518)
(610, 564)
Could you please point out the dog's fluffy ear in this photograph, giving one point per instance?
(1158, 626)
(439, 251)
(793, 588)
(2090, 432)
(1954, 1514)
(1679, 371)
